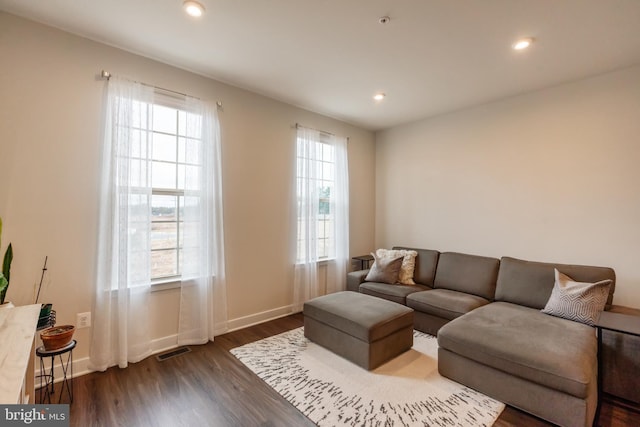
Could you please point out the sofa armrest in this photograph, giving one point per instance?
(354, 279)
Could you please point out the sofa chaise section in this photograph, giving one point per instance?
(511, 351)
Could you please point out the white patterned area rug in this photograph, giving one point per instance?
(331, 391)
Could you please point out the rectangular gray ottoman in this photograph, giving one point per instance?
(366, 330)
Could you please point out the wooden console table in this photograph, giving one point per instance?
(17, 332)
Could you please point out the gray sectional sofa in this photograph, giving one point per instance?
(492, 335)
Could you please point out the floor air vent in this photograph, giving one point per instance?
(173, 353)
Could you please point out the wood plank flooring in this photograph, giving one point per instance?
(210, 387)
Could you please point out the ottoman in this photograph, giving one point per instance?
(366, 330)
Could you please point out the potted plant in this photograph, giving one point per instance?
(5, 275)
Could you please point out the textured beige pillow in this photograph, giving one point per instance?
(408, 263)
(578, 301)
(384, 270)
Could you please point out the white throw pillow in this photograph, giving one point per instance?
(578, 301)
(408, 263)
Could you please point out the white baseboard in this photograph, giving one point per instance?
(159, 345)
(255, 319)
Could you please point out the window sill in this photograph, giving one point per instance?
(324, 261)
(165, 285)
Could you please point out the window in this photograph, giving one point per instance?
(160, 220)
(322, 221)
(170, 151)
(317, 195)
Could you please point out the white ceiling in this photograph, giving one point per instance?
(331, 56)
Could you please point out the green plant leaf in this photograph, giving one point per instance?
(6, 263)
(4, 285)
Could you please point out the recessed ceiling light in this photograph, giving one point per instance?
(522, 43)
(379, 96)
(193, 8)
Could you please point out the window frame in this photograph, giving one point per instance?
(324, 219)
(165, 100)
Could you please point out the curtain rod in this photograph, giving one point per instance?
(106, 75)
(298, 125)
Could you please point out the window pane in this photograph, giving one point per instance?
(327, 171)
(182, 150)
(327, 152)
(163, 175)
(330, 248)
(164, 147)
(324, 207)
(138, 174)
(181, 177)
(182, 123)
(164, 119)
(138, 140)
(320, 229)
(193, 125)
(319, 183)
(322, 248)
(326, 189)
(190, 151)
(139, 114)
(167, 155)
(164, 263)
(163, 207)
(181, 207)
(164, 235)
(188, 177)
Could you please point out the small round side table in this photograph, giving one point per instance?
(47, 378)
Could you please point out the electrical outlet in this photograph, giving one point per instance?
(83, 320)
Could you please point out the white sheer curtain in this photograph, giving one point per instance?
(203, 299)
(123, 284)
(311, 163)
(337, 270)
(120, 331)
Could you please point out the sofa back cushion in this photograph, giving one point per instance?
(471, 274)
(530, 283)
(426, 261)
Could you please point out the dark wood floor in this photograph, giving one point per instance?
(210, 387)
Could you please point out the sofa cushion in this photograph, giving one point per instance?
(470, 274)
(521, 341)
(424, 272)
(577, 301)
(444, 302)
(530, 283)
(385, 270)
(395, 293)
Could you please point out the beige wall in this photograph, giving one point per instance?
(50, 112)
(551, 175)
